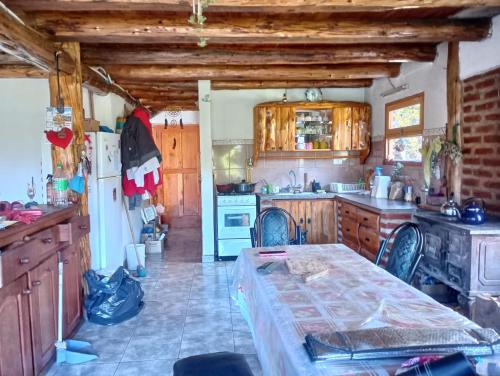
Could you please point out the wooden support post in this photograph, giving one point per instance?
(71, 92)
(454, 101)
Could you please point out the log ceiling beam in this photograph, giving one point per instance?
(248, 55)
(247, 5)
(158, 73)
(133, 27)
(19, 40)
(21, 71)
(155, 86)
(238, 85)
(97, 84)
(179, 94)
(27, 45)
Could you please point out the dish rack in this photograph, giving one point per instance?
(346, 187)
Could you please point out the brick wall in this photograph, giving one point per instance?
(481, 129)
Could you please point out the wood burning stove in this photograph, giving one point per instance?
(464, 257)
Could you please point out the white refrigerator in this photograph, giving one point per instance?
(105, 202)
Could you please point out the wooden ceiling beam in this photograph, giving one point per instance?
(19, 40)
(240, 85)
(180, 94)
(169, 104)
(21, 71)
(96, 83)
(154, 86)
(248, 55)
(133, 27)
(158, 73)
(247, 5)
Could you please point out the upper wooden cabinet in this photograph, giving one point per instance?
(322, 128)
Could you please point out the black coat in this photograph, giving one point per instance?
(137, 145)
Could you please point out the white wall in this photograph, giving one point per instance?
(106, 108)
(480, 57)
(188, 117)
(421, 77)
(232, 110)
(22, 104)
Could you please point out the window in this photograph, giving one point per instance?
(403, 129)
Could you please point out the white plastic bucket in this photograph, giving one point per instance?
(154, 246)
(132, 257)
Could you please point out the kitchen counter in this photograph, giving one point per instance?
(491, 227)
(370, 203)
(297, 196)
(377, 204)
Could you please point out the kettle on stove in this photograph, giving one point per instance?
(473, 211)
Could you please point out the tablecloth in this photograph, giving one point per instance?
(281, 309)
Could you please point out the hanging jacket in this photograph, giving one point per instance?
(137, 145)
(137, 151)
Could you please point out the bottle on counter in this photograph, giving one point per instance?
(60, 187)
(50, 190)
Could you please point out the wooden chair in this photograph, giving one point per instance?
(406, 251)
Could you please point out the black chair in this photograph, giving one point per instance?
(215, 364)
(272, 228)
(406, 251)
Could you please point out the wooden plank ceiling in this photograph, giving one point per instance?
(149, 48)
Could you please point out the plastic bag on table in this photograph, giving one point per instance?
(114, 300)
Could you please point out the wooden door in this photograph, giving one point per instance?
(72, 294)
(15, 331)
(43, 311)
(320, 222)
(180, 193)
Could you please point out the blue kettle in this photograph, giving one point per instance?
(473, 211)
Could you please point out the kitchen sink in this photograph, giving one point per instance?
(295, 194)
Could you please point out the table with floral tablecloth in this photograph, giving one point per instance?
(355, 294)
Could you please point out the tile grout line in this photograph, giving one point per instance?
(186, 313)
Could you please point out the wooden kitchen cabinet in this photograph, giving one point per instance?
(15, 331)
(29, 255)
(72, 294)
(362, 229)
(317, 217)
(43, 282)
(330, 126)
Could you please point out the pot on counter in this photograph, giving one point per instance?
(244, 187)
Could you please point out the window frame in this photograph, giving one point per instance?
(415, 130)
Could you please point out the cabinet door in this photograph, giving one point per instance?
(43, 310)
(271, 128)
(321, 223)
(297, 210)
(15, 331)
(342, 128)
(72, 293)
(286, 129)
(361, 127)
(369, 242)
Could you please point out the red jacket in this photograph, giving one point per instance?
(129, 186)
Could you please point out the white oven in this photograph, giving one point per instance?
(235, 216)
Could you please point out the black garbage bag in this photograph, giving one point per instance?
(115, 300)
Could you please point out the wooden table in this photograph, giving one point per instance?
(356, 294)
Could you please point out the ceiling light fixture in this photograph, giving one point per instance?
(197, 19)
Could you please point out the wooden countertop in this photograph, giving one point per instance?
(52, 216)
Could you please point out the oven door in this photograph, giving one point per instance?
(234, 222)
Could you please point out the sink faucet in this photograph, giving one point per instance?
(292, 173)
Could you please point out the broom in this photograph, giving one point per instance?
(141, 270)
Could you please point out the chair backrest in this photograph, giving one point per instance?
(272, 228)
(406, 251)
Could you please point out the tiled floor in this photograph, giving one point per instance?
(188, 311)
